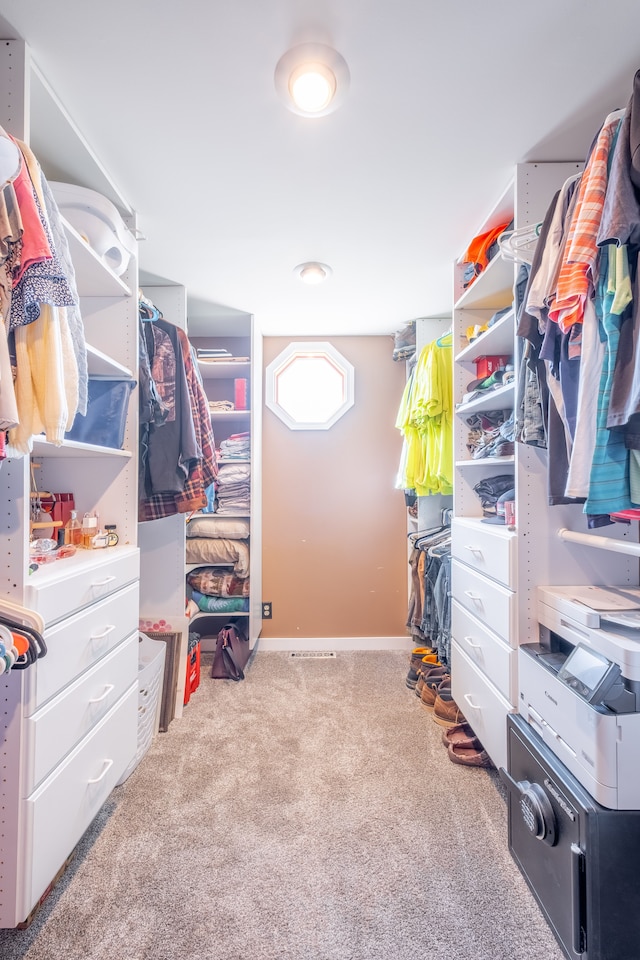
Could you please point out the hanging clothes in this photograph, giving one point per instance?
(179, 450)
(425, 421)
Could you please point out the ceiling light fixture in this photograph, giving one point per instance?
(312, 79)
(312, 272)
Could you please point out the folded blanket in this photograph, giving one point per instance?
(220, 604)
(218, 583)
(223, 551)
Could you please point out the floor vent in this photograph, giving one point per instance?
(312, 654)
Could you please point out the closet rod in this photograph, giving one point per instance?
(602, 543)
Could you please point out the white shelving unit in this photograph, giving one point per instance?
(238, 335)
(163, 542)
(68, 728)
(496, 570)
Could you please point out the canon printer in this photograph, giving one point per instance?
(579, 687)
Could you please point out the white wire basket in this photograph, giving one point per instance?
(151, 656)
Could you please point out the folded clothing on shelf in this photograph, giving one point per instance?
(491, 434)
(490, 490)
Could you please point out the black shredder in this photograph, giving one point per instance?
(580, 860)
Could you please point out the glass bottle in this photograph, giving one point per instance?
(73, 530)
(89, 530)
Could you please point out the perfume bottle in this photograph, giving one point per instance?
(73, 530)
(89, 530)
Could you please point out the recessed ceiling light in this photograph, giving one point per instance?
(312, 272)
(312, 79)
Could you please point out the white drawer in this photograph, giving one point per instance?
(59, 812)
(489, 653)
(488, 549)
(487, 600)
(483, 706)
(75, 644)
(59, 589)
(55, 730)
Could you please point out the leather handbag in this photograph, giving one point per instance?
(232, 654)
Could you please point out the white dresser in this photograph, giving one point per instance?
(69, 728)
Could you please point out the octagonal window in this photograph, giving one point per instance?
(309, 386)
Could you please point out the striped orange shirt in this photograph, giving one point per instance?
(577, 271)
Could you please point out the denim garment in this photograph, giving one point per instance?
(442, 601)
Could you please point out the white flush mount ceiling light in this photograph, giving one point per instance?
(312, 79)
(312, 272)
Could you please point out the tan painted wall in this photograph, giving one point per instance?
(334, 526)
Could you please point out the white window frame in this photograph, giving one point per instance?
(309, 348)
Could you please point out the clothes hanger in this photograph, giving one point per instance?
(148, 310)
(440, 549)
(446, 340)
(518, 245)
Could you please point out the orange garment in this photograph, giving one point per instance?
(35, 246)
(576, 277)
(479, 247)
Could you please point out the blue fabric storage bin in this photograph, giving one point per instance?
(106, 415)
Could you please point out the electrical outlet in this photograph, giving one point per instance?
(267, 611)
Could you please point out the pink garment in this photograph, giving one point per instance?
(35, 246)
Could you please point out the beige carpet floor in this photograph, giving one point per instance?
(307, 813)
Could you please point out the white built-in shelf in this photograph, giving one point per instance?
(492, 289)
(234, 460)
(496, 341)
(224, 516)
(74, 449)
(101, 365)
(196, 566)
(500, 399)
(230, 414)
(62, 149)
(218, 613)
(486, 462)
(94, 278)
(223, 370)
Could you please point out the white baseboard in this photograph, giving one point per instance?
(273, 644)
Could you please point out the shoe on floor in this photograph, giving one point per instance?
(430, 690)
(418, 653)
(446, 711)
(468, 756)
(432, 672)
(430, 660)
(462, 735)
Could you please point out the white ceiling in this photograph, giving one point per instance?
(233, 191)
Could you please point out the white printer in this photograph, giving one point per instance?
(579, 687)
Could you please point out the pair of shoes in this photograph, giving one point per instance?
(446, 711)
(431, 659)
(464, 747)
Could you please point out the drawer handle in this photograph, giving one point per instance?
(470, 643)
(473, 596)
(468, 699)
(107, 690)
(474, 550)
(103, 583)
(105, 632)
(107, 766)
